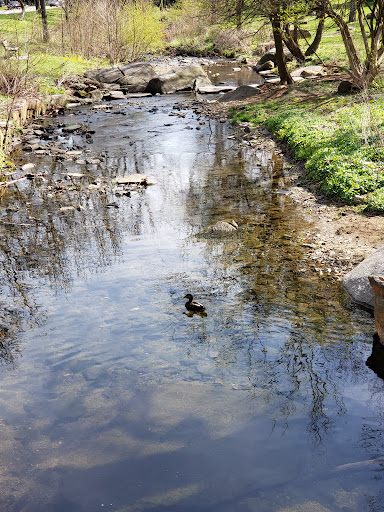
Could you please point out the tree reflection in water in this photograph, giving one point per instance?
(277, 290)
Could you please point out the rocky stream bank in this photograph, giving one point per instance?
(341, 236)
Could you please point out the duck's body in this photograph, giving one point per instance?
(192, 305)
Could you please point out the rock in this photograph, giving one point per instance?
(81, 94)
(215, 89)
(96, 95)
(346, 87)
(132, 179)
(201, 83)
(271, 55)
(242, 59)
(252, 61)
(74, 153)
(223, 227)
(241, 93)
(138, 94)
(309, 71)
(114, 95)
(67, 209)
(377, 285)
(28, 167)
(265, 66)
(356, 282)
(264, 47)
(70, 128)
(75, 174)
(134, 77)
(181, 80)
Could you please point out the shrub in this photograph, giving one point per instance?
(118, 31)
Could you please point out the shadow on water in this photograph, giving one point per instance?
(123, 400)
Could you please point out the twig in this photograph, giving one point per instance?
(6, 183)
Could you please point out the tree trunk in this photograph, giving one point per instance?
(292, 44)
(22, 15)
(312, 48)
(45, 21)
(37, 5)
(352, 11)
(285, 77)
(239, 13)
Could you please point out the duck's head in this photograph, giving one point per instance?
(188, 296)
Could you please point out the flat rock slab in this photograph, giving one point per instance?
(138, 94)
(356, 282)
(215, 89)
(114, 95)
(70, 128)
(132, 179)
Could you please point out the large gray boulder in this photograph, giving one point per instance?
(182, 79)
(356, 282)
(133, 77)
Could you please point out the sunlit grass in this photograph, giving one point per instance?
(341, 139)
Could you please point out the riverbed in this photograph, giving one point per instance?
(112, 396)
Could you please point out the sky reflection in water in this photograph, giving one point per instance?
(113, 398)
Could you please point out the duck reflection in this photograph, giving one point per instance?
(198, 313)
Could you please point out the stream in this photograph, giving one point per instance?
(112, 397)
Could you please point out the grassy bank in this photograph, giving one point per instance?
(339, 138)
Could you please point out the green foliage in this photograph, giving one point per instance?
(140, 30)
(343, 150)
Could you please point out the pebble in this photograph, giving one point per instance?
(28, 167)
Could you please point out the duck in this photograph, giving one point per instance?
(191, 305)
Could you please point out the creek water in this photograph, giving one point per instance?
(113, 398)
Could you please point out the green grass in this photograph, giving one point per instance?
(340, 139)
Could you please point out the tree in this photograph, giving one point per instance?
(281, 15)
(363, 71)
(44, 21)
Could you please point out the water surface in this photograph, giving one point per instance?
(113, 398)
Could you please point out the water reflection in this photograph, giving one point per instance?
(123, 400)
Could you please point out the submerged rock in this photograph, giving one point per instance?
(224, 227)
